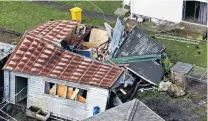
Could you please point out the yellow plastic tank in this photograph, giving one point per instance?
(76, 14)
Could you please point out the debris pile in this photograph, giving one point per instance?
(184, 78)
(132, 50)
(76, 65)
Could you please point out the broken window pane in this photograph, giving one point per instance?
(67, 92)
(50, 88)
(76, 94)
(81, 97)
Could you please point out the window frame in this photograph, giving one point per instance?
(56, 96)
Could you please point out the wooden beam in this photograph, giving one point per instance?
(74, 94)
(123, 92)
(107, 58)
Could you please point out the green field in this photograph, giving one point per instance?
(107, 7)
(185, 52)
(20, 16)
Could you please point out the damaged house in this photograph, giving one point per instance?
(140, 52)
(52, 81)
(143, 55)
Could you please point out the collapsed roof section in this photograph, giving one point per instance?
(138, 43)
(115, 35)
(37, 54)
(130, 111)
(150, 71)
(140, 51)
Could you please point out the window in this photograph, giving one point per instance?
(77, 94)
(67, 92)
(50, 88)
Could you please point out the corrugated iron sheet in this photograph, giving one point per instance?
(54, 30)
(38, 55)
(150, 71)
(139, 43)
(181, 67)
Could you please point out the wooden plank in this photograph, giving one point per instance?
(98, 36)
(107, 58)
(123, 92)
(74, 94)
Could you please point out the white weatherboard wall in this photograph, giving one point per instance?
(170, 10)
(60, 107)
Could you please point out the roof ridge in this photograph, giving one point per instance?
(131, 111)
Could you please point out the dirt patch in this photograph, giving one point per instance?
(198, 88)
(186, 30)
(8, 38)
(187, 108)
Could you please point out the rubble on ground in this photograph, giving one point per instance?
(163, 86)
(175, 91)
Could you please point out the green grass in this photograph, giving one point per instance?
(20, 16)
(185, 52)
(203, 118)
(107, 7)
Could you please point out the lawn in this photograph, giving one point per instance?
(107, 7)
(20, 16)
(185, 52)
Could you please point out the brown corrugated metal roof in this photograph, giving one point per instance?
(54, 30)
(38, 55)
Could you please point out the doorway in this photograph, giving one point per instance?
(195, 12)
(21, 91)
